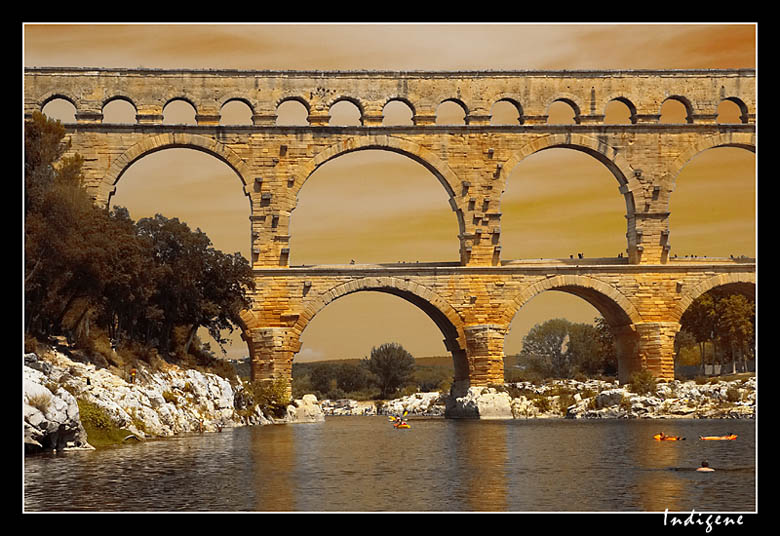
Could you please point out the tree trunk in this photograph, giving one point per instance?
(702, 349)
(81, 328)
(193, 330)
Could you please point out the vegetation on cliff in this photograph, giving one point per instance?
(93, 274)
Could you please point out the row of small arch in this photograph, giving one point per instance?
(345, 112)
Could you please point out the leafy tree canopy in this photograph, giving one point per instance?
(392, 365)
(138, 281)
(560, 348)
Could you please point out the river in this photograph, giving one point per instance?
(360, 464)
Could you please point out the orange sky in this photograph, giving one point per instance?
(709, 215)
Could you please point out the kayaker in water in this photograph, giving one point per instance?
(730, 436)
(663, 437)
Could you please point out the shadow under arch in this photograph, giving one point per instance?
(415, 152)
(434, 306)
(153, 144)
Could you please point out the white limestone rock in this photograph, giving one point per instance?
(304, 410)
(50, 419)
(480, 403)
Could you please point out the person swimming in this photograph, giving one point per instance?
(705, 467)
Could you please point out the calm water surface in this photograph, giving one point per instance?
(363, 464)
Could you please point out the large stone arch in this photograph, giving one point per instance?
(743, 140)
(629, 185)
(417, 153)
(609, 156)
(613, 305)
(621, 315)
(434, 306)
(171, 140)
(743, 282)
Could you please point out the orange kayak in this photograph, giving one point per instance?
(719, 438)
(660, 437)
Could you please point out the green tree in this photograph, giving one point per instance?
(724, 319)
(585, 349)
(351, 377)
(546, 348)
(138, 280)
(392, 365)
(735, 325)
(684, 340)
(197, 285)
(126, 309)
(699, 320)
(560, 348)
(63, 264)
(44, 144)
(321, 378)
(607, 349)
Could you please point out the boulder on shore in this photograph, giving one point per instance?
(50, 419)
(305, 410)
(479, 403)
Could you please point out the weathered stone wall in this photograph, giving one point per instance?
(642, 295)
(472, 162)
(474, 306)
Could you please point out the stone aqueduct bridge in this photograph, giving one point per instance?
(642, 294)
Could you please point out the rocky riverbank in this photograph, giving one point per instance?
(60, 394)
(58, 391)
(571, 399)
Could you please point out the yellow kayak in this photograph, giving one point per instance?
(402, 426)
(730, 437)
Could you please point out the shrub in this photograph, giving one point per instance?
(642, 382)
(564, 401)
(733, 394)
(41, 401)
(271, 396)
(100, 427)
(543, 403)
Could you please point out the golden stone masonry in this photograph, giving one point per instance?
(641, 295)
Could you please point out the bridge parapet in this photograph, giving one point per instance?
(532, 92)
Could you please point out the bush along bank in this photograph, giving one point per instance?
(69, 404)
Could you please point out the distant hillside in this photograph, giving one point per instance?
(436, 361)
(243, 367)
